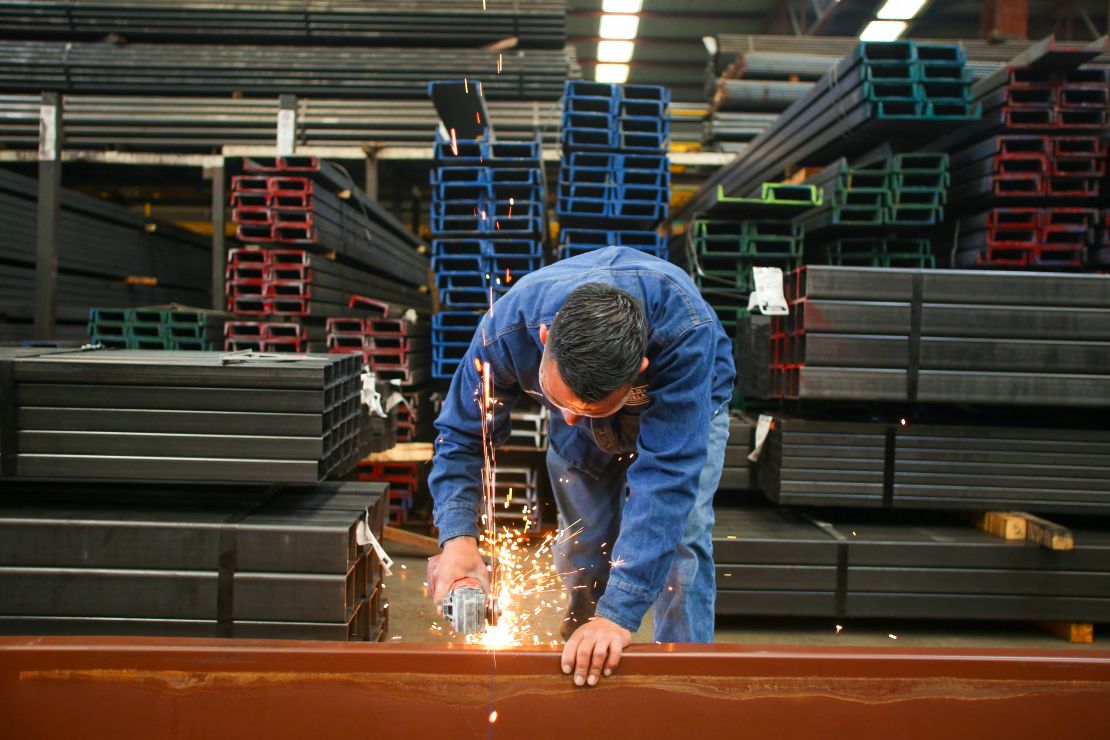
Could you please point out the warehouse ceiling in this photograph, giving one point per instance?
(669, 48)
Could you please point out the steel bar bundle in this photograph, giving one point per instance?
(1052, 238)
(751, 333)
(202, 124)
(811, 462)
(489, 220)
(316, 71)
(303, 201)
(280, 562)
(736, 475)
(756, 96)
(107, 256)
(156, 327)
(723, 253)
(533, 23)
(392, 348)
(881, 90)
(944, 336)
(776, 561)
(729, 130)
(183, 416)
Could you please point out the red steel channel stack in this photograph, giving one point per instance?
(404, 481)
(393, 348)
(1051, 152)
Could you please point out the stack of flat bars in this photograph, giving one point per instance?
(185, 416)
(931, 466)
(280, 562)
(773, 561)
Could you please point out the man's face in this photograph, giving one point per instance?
(570, 406)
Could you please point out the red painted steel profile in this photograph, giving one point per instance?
(178, 688)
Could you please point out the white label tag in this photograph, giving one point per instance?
(287, 131)
(370, 396)
(762, 428)
(769, 296)
(365, 537)
(48, 133)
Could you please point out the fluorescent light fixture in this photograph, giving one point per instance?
(619, 26)
(615, 51)
(612, 73)
(900, 10)
(883, 31)
(621, 6)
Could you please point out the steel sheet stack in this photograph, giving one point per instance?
(252, 562)
(614, 183)
(775, 561)
(182, 416)
(489, 225)
(944, 336)
(107, 256)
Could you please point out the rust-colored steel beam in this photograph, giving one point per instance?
(196, 688)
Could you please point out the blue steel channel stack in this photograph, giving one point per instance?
(615, 180)
(488, 228)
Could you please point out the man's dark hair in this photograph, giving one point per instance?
(598, 339)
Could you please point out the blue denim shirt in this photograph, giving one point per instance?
(690, 373)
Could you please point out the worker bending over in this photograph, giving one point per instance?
(640, 371)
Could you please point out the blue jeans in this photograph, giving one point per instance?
(684, 610)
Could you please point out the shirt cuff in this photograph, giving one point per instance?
(456, 520)
(624, 604)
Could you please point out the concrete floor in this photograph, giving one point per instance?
(411, 617)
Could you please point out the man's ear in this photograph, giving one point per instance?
(643, 364)
(543, 336)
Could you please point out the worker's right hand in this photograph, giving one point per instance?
(460, 559)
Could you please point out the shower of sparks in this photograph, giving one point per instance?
(493, 716)
(498, 64)
(839, 629)
(466, 86)
(454, 143)
(893, 636)
(478, 117)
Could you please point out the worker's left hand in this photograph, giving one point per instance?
(595, 647)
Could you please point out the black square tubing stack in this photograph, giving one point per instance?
(275, 562)
(822, 462)
(774, 561)
(181, 416)
(943, 336)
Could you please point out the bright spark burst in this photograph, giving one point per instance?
(498, 64)
(454, 143)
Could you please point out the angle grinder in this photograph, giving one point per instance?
(466, 606)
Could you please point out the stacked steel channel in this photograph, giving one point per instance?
(488, 227)
(321, 250)
(156, 327)
(944, 336)
(614, 183)
(107, 256)
(889, 199)
(403, 479)
(1038, 180)
(182, 416)
(394, 349)
(880, 91)
(106, 558)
